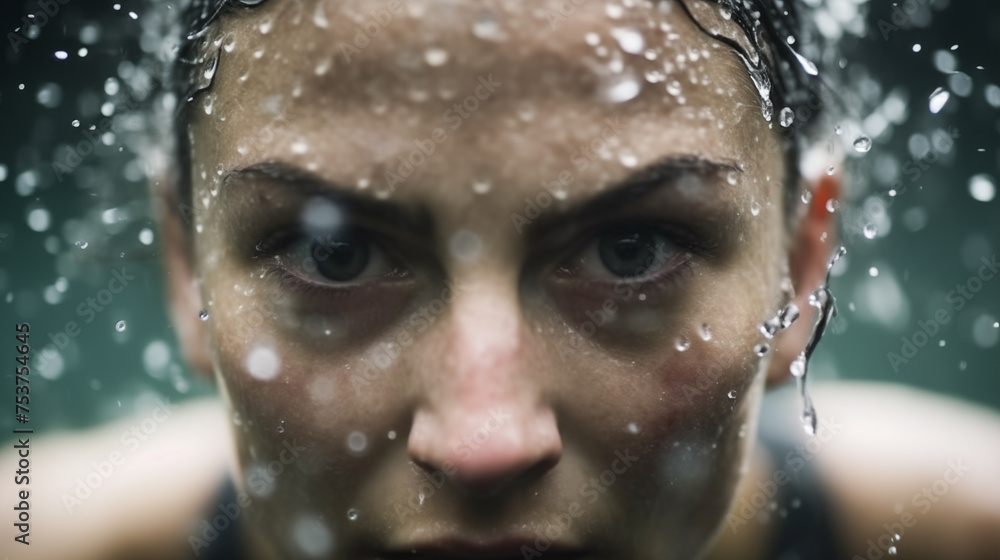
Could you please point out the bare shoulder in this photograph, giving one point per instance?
(107, 491)
(901, 461)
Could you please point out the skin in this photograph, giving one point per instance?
(495, 394)
(501, 350)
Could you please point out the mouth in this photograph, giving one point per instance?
(503, 549)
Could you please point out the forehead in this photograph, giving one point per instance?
(344, 83)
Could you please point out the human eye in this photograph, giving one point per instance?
(639, 254)
(343, 258)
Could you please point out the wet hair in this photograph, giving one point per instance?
(789, 79)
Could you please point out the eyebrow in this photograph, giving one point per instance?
(401, 216)
(661, 174)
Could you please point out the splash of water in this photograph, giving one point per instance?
(822, 299)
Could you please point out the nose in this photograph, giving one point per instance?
(484, 420)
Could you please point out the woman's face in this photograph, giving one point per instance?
(485, 280)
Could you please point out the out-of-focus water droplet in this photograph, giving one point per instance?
(981, 188)
(832, 205)
(962, 365)
(435, 56)
(146, 236)
(82, 244)
(831, 170)
(682, 343)
(203, 315)
(674, 88)
(873, 272)
(732, 177)
(481, 186)
(786, 117)
(614, 11)
(357, 442)
(627, 158)
(391, 435)
(621, 87)
(281, 429)
(761, 349)
(891, 551)
(838, 130)
(262, 363)
(807, 196)
(870, 231)
(62, 55)
(754, 208)
(120, 326)
(629, 39)
(938, 100)
(862, 144)
(39, 219)
(352, 514)
(487, 28)
(942, 343)
(917, 47)
(75, 123)
(633, 428)
(731, 394)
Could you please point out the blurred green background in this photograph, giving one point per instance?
(62, 238)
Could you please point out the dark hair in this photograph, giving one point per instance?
(770, 26)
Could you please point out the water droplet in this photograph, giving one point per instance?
(761, 349)
(481, 186)
(352, 514)
(862, 144)
(731, 394)
(75, 123)
(391, 435)
(798, 367)
(788, 315)
(436, 56)
(621, 88)
(870, 231)
(807, 196)
(674, 88)
(838, 130)
(832, 205)
(629, 39)
(82, 244)
(807, 64)
(809, 420)
(786, 117)
(120, 326)
(892, 551)
(614, 11)
(203, 315)
(705, 332)
(732, 177)
(357, 442)
(938, 100)
(627, 158)
(633, 428)
(487, 28)
(62, 55)
(770, 327)
(281, 429)
(754, 208)
(873, 272)
(981, 188)
(831, 170)
(682, 344)
(262, 363)
(146, 236)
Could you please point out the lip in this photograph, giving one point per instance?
(499, 549)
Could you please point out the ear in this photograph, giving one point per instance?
(183, 295)
(811, 249)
